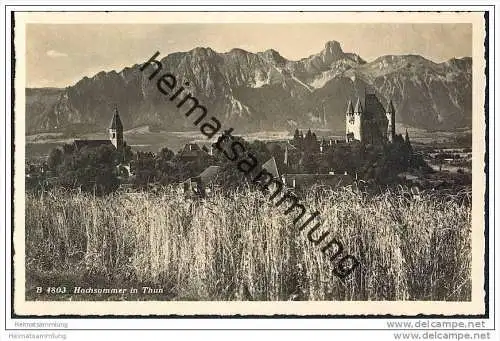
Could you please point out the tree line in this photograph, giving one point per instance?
(101, 170)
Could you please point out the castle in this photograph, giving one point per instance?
(115, 136)
(370, 123)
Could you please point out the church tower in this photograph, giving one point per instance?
(390, 113)
(116, 131)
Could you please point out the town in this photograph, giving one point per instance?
(370, 153)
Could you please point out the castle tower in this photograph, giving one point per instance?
(116, 131)
(350, 109)
(390, 113)
(358, 109)
(349, 121)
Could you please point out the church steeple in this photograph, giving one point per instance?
(116, 130)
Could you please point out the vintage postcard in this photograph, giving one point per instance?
(249, 164)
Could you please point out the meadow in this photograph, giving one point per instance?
(241, 247)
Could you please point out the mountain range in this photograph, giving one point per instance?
(262, 91)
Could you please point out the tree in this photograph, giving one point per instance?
(91, 170)
(408, 143)
(166, 154)
(146, 169)
(166, 167)
(311, 143)
(297, 139)
(68, 149)
(310, 162)
(229, 177)
(261, 151)
(55, 158)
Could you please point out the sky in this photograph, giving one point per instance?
(58, 55)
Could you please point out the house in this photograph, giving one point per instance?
(201, 184)
(271, 167)
(191, 152)
(303, 181)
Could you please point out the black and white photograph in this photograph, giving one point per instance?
(202, 164)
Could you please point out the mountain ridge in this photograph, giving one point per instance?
(264, 90)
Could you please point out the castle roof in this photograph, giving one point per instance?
(350, 109)
(373, 108)
(116, 122)
(359, 107)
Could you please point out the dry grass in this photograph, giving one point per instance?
(243, 248)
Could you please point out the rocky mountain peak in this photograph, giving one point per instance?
(203, 52)
(461, 63)
(274, 57)
(332, 52)
(238, 51)
(333, 47)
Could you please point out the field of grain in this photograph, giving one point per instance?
(244, 248)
